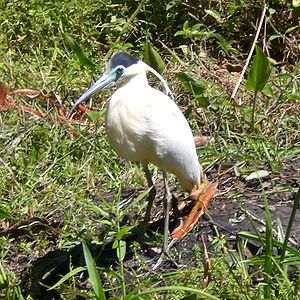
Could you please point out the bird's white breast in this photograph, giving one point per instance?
(145, 125)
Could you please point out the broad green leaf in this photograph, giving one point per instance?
(121, 250)
(3, 278)
(93, 273)
(260, 72)
(296, 3)
(95, 116)
(203, 101)
(180, 32)
(152, 58)
(185, 25)
(190, 84)
(115, 244)
(194, 87)
(246, 113)
(33, 155)
(106, 222)
(274, 36)
(123, 231)
(213, 35)
(83, 59)
(296, 11)
(271, 11)
(268, 91)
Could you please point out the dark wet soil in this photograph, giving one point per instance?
(243, 201)
(239, 206)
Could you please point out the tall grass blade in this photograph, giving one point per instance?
(296, 206)
(67, 276)
(241, 263)
(125, 209)
(120, 244)
(93, 273)
(82, 57)
(277, 244)
(174, 288)
(4, 214)
(268, 268)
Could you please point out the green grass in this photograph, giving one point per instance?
(72, 184)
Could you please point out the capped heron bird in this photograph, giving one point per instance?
(145, 125)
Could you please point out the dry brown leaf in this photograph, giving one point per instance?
(3, 92)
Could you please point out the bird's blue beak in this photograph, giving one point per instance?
(106, 80)
(103, 82)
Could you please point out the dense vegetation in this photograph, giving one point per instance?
(61, 185)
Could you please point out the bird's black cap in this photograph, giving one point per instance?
(123, 59)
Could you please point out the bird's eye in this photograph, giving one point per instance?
(119, 71)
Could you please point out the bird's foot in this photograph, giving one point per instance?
(164, 255)
(197, 191)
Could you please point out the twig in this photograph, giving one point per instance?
(206, 263)
(250, 54)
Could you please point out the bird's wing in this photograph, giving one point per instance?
(165, 120)
(147, 126)
(171, 134)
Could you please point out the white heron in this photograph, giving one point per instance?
(145, 125)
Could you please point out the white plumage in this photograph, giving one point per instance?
(145, 125)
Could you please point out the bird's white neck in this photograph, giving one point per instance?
(134, 75)
(136, 80)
